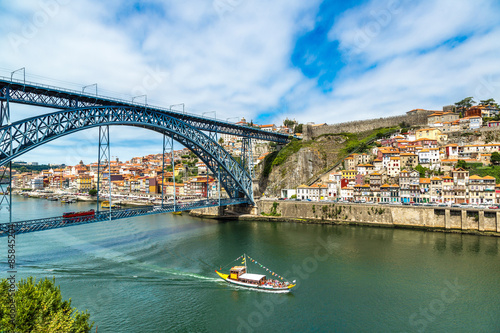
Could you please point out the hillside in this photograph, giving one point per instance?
(300, 162)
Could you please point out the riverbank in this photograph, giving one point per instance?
(443, 219)
(86, 198)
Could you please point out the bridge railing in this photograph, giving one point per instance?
(108, 98)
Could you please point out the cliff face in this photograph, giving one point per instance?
(295, 171)
(310, 159)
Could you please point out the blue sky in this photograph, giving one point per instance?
(313, 61)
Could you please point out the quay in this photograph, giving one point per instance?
(431, 218)
(448, 219)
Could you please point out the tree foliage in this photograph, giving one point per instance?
(465, 103)
(495, 158)
(289, 123)
(462, 164)
(39, 308)
(93, 192)
(298, 128)
(421, 170)
(489, 101)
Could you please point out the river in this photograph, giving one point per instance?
(156, 274)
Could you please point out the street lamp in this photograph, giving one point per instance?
(227, 119)
(145, 98)
(90, 85)
(214, 112)
(178, 105)
(17, 70)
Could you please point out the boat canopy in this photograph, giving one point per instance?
(252, 277)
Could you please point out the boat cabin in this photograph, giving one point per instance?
(252, 278)
(236, 271)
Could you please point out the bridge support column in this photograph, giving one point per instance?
(247, 160)
(4, 111)
(6, 190)
(104, 155)
(168, 146)
(6, 187)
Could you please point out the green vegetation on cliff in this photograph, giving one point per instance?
(286, 168)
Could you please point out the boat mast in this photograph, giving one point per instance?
(245, 256)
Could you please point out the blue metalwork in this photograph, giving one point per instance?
(104, 154)
(25, 135)
(168, 145)
(22, 227)
(58, 98)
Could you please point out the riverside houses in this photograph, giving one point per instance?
(314, 192)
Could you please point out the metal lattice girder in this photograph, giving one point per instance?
(4, 112)
(116, 214)
(104, 154)
(30, 133)
(58, 98)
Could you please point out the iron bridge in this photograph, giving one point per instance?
(79, 111)
(22, 227)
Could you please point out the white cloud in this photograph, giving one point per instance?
(235, 57)
(407, 64)
(236, 64)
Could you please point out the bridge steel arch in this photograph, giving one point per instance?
(22, 136)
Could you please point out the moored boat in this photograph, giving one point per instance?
(79, 214)
(105, 204)
(238, 275)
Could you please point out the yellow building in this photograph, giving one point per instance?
(349, 174)
(430, 133)
(84, 183)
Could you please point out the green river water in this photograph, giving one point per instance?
(156, 274)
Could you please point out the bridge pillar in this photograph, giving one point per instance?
(247, 160)
(6, 186)
(168, 145)
(104, 154)
(4, 112)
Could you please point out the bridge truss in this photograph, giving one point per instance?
(79, 111)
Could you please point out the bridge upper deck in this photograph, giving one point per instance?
(36, 94)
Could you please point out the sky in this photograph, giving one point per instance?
(312, 61)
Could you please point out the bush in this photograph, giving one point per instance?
(93, 192)
(39, 308)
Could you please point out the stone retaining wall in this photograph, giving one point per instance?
(438, 218)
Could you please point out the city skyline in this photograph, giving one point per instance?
(319, 61)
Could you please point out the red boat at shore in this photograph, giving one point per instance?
(79, 214)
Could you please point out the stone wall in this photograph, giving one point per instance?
(439, 218)
(311, 132)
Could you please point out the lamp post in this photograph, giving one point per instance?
(183, 107)
(214, 112)
(90, 85)
(227, 119)
(17, 70)
(145, 98)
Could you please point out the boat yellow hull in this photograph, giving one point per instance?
(225, 277)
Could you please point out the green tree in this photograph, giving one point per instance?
(298, 129)
(221, 141)
(420, 170)
(93, 192)
(489, 101)
(39, 308)
(289, 123)
(461, 164)
(495, 158)
(465, 103)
